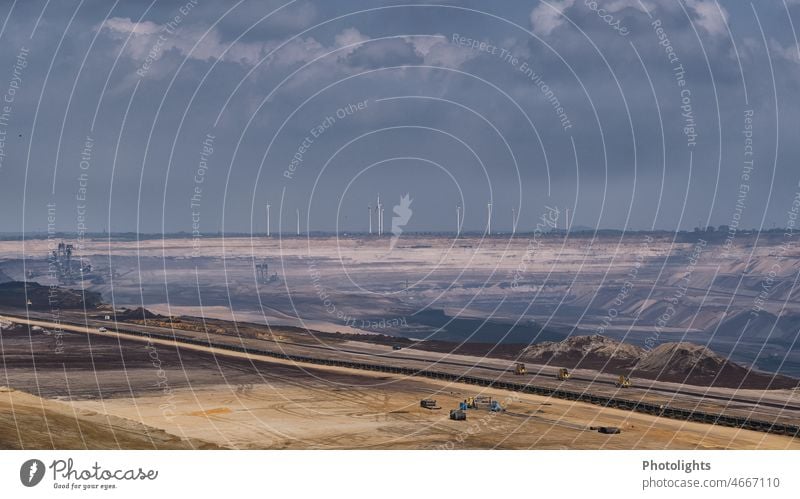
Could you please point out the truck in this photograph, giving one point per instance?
(428, 404)
(458, 415)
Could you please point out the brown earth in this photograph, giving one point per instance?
(14, 293)
(682, 362)
(107, 392)
(30, 422)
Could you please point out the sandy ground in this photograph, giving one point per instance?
(30, 422)
(191, 369)
(192, 398)
(287, 415)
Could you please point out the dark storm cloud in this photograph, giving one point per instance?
(146, 84)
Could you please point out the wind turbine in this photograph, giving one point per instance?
(489, 219)
(268, 219)
(379, 212)
(513, 221)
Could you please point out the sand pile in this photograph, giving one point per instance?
(681, 358)
(138, 314)
(682, 362)
(581, 349)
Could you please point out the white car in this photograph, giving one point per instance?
(102, 330)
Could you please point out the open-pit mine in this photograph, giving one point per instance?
(556, 340)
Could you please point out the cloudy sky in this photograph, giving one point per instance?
(168, 116)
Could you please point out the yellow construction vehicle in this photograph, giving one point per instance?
(623, 382)
(519, 369)
(563, 374)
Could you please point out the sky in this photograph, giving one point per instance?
(162, 116)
